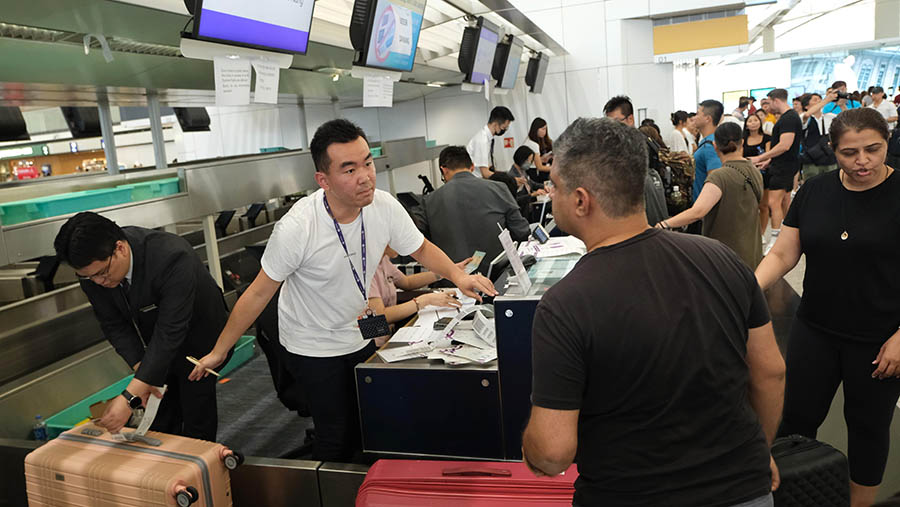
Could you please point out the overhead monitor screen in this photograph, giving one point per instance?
(541, 63)
(511, 72)
(280, 25)
(395, 34)
(484, 55)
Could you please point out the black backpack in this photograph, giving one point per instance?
(817, 148)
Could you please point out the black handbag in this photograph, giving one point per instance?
(813, 474)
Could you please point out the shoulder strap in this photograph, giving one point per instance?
(747, 180)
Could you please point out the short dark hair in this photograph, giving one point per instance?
(743, 102)
(838, 84)
(679, 117)
(501, 114)
(714, 109)
(521, 155)
(648, 122)
(806, 97)
(606, 158)
(85, 238)
(876, 89)
(331, 132)
(778, 93)
(858, 119)
(620, 102)
(455, 157)
(728, 137)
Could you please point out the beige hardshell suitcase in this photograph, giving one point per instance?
(85, 466)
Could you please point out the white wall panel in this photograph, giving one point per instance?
(586, 93)
(638, 40)
(404, 120)
(454, 120)
(624, 9)
(584, 36)
(289, 119)
(317, 114)
(367, 119)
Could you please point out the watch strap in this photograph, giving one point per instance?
(130, 398)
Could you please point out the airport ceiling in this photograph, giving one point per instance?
(43, 63)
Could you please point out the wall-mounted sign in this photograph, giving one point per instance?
(24, 151)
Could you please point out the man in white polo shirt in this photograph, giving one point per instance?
(481, 145)
(325, 250)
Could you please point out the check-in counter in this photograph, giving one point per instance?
(426, 408)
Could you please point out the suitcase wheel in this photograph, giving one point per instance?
(233, 460)
(187, 496)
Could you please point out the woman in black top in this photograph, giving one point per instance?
(847, 223)
(756, 142)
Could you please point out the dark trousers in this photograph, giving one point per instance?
(330, 385)
(188, 408)
(817, 362)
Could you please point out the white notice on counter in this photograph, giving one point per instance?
(513, 255)
(232, 81)
(378, 91)
(267, 74)
(487, 89)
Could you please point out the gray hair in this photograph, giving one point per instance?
(606, 158)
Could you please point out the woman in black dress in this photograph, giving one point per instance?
(756, 142)
(847, 222)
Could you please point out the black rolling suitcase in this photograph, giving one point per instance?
(813, 474)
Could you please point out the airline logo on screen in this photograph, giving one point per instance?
(281, 24)
(395, 34)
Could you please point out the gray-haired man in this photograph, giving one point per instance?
(654, 359)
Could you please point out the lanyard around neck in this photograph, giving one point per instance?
(362, 226)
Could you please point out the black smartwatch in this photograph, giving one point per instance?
(133, 401)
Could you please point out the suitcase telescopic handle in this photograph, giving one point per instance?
(476, 471)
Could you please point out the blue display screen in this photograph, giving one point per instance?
(395, 34)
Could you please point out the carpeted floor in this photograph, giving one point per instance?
(251, 419)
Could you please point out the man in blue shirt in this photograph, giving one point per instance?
(705, 158)
(841, 104)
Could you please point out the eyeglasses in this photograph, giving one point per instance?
(103, 274)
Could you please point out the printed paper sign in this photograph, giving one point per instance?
(232, 81)
(378, 91)
(267, 74)
(518, 268)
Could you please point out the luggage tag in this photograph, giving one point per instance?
(373, 326)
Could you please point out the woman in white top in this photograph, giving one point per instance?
(883, 106)
(677, 140)
(691, 132)
(539, 141)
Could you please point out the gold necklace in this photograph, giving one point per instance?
(845, 234)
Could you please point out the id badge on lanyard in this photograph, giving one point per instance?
(370, 325)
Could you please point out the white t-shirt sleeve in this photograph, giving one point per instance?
(677, 142)
(405, 237)
(886, 109)
(479, 150)
(285, 250)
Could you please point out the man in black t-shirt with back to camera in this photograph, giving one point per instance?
(655, 366)
(782, 160)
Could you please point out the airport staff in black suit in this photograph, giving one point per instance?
(464, 213)
(156, 303)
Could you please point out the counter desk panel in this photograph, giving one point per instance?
(423, 407)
